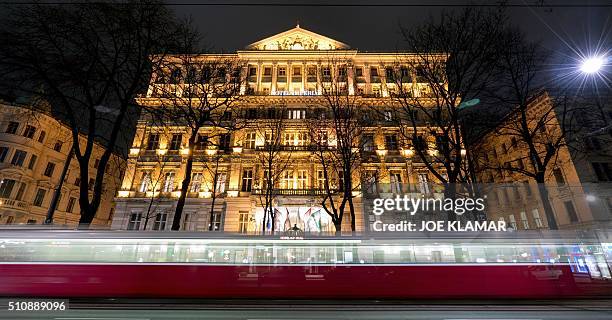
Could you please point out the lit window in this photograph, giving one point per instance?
(396, 182)
(3, 153)
(12, 127)
(29, 131)
(374, 72)
(187, 221)
(297, 71)
(247, 180)
(145, 182)
(296, 114)
(160, 221)
(41, 137)
(423, 183)
(244, 221)
(320, 179)
(524, 220)
(220, 185)
(559, 176)
(302, 179)
(326, 71)
(153, 142)
(40, 197)
(58, 146)
(287, 180)
(196, 182)
(536, 217)
(168, 182)
(135, 219)
(249, 140)
(20, 191)
(70, 206)
(18, 158)
(391, 142)
(6, 187)
(49, 169)
(176, 141)
(216, 222)
(201, 142)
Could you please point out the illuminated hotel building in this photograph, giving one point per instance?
(289, 70)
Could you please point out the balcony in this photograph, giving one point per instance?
(309, 148)
(293, 192)
(13, 204)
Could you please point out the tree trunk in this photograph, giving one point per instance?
(178, 213)
(273, 224)
(58, 188)
(338, 226)
(264, 221)
(87, 216)
(148, 215)
(214, 197)
(548, 210)
(352, 212)
(450, 192)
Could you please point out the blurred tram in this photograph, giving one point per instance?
(185, 265)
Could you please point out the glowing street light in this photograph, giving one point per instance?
(592, 64)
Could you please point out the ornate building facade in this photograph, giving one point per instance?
(288, 71)
(34, 147)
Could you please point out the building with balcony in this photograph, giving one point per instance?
(286, 77)
(34, 147)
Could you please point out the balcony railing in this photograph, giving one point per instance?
(14, 204)
(294, 148)
(293, 192)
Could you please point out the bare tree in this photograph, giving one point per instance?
(336, 137)
(539, 123)
(198, 92)
(151, 182)
(88, 61)
(273, 159)
(213, 169)
(449, 65)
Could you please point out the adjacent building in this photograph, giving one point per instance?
(579, 177)
(287, 71)
(34, 147)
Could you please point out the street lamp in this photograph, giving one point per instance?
(592, 64)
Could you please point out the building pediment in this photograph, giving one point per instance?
(297, 39)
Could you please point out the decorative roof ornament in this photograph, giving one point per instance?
(298, 39)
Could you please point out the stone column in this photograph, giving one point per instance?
(319, 85)
(366, 74)
(383, 82)
(304, 71)
(289, 76)
(259, 75)
(244, 72)
(351, 78)
(274, 71)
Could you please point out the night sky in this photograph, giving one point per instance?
(371, 28)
